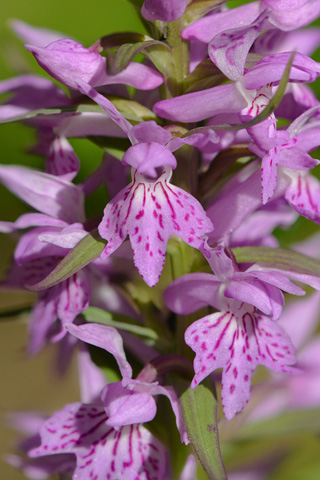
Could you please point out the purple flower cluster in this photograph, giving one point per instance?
(211, 175)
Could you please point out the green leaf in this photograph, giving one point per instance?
(97, 315)
(53, 111)
(126, 52)
(272, 105)
(184, 258)
(121, 144)
(199, 8)
(205, 75)
(288, 423)
(116, 39)
(278, 258)
(89, 248)
(199, 410)
(132, 110)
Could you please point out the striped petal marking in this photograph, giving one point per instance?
(149, 211)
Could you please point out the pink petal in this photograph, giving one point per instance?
(149, 212)
(277, 279)
(304, 196)
(276, 41)
(69, 62)
(287, 15)
(265, 297)
(31, 220)
(150, 131)
(258, 227)
(306, 308)
(126, 407)
(165, 10)
(102, 452)
(31, 92)
(270, 69)
(46, 193)
(305, 388)
(147, 157)
(67, 237)
(39, 37)
(192, 292)
(208, 27)
(43, 317)
(189, 471)
(91, 377)
(237, 343)
(196, 106)
(31, 248)
(31, 272)
(135, 75)
(89, 123)
(229, 49)
(103, 337)
(74, 297)
(297, 159)
(222, 265)
(269, 174)
(62, 160)
(108, 107)
(233, 205)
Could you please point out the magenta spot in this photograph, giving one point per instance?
(203, 346)
(159, 236)
(176, 226)
(155, 214)
(190, 239)
(140, 214)
(246, 378)
(147, 246)
(235, 372)
(249, 358)
(203, 368)
(196, 338)
(187, 217)
(232, 388)
(139, 239)
(50, 430)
